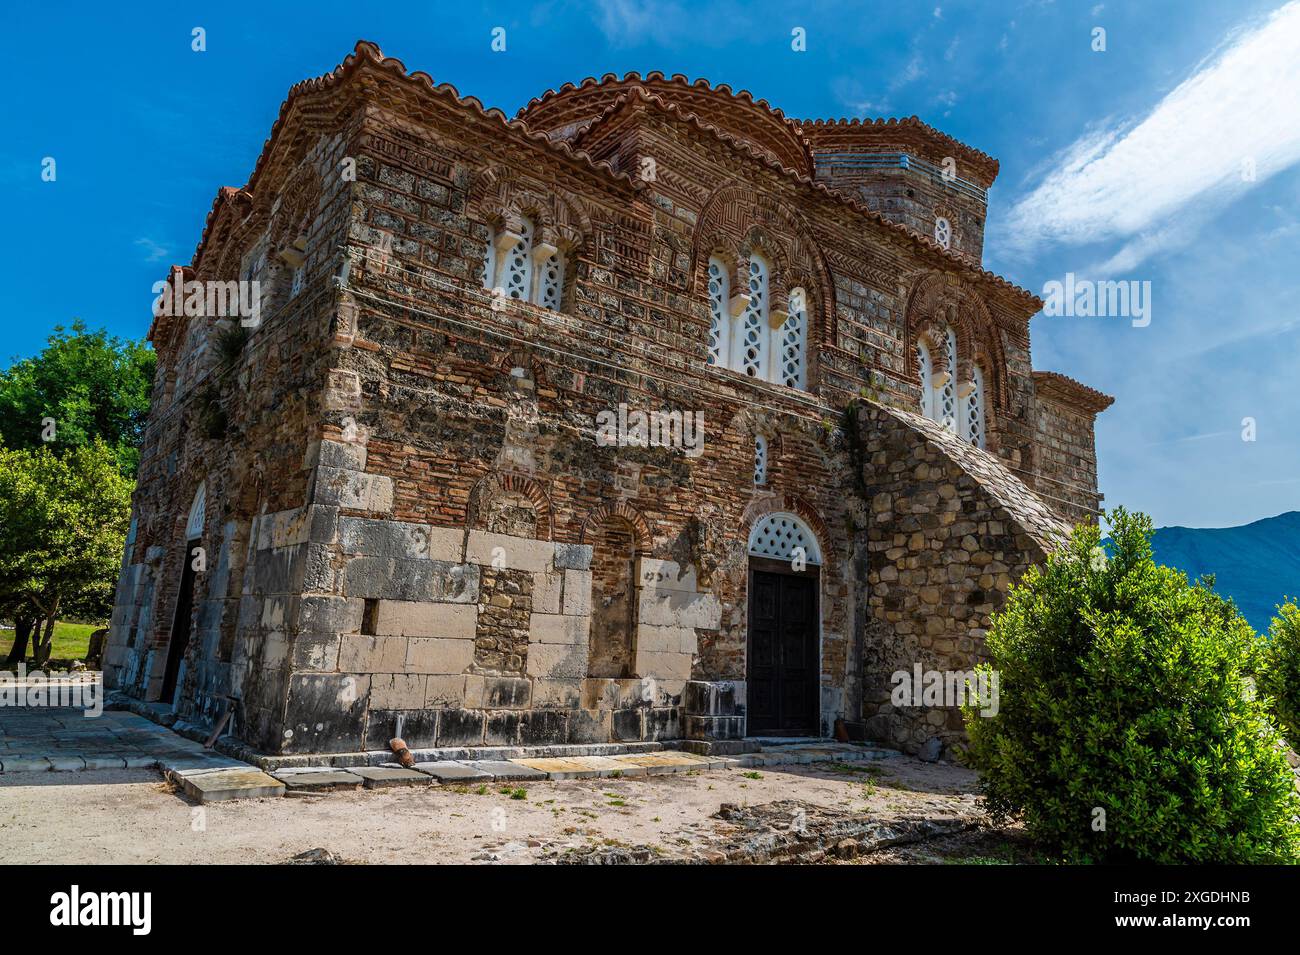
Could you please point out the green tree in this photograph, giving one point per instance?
(89, 384)
(1280, 674)
(63, 523)
(1127, 727)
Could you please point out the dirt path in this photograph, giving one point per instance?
(131, 816)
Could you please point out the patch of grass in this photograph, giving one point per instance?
(517, 793)
(752, 775)
(482, 790)
(71, 641)
(617, 802)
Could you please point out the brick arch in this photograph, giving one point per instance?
(731, 219)
(760, 508)
(500, 197)
(510, 482)
(621, 509)
(939, 299)
(520, 356)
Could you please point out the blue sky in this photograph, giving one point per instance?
(1117, 164)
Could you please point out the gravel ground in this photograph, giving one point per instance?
(132, 816)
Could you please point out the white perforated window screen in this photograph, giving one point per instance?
(927, 379)
(778, 535)
(943, 232)
(517, 269)
(552, 282)
(948, 393)
(794, 342)
(194, 523)
(718, 324)
(973, 420)
(754, 332)
(760, 461)
(489, 262)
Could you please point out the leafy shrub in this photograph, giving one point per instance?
(1280, 675)
(1124, 688)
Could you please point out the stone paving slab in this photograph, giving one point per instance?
(220, 785)
(507, 771)
(383, 777)
(318, 780)
(557, 768)
(450, 771)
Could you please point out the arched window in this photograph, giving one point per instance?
(793, 343)
(973, 429)
(760, 461)
(551, 282)
(943, 232)
(753, 331)
(927, 379)
(516, 268)
(947, 410)
(777, 536)
(719, 325)
(194, 523)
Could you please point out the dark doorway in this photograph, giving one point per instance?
(784, 660)
(180, 638)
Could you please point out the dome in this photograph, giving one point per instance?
(565, 112)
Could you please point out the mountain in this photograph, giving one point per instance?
(1255, 564)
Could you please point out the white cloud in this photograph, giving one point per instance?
(153, 251)
(633, 22)
(1152, 182)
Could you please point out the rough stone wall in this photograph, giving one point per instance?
(949, 530)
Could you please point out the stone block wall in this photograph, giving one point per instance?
(950, 529)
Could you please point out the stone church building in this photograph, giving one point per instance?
(649, 414)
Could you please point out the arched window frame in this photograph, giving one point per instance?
(719, 319)
(776, 535)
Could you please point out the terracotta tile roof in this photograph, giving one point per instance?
(368, 53)
(1060, 387)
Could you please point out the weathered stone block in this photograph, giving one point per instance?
(437, 654)
(411, 618)
(460, 727)
(361, 653)
(665, 665)
(557, 661)
(547, 588)
(325, 713)
(510, 553)
(565, 694)
(316, 651)
(553, 628)
(501, 728)
(379, 538)
(589, 726)
(329, 614)
(577, 592)
(544, 727)
(665, 640)
(397, 691)
(627, 724)
(354, 490)
(573, 556)
(446, 690)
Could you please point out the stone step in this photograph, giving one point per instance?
(219, 785)
(458, 754)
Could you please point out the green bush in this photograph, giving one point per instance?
(1124, 688)
(1280, 676)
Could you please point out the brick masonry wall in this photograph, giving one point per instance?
(1067, 458)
